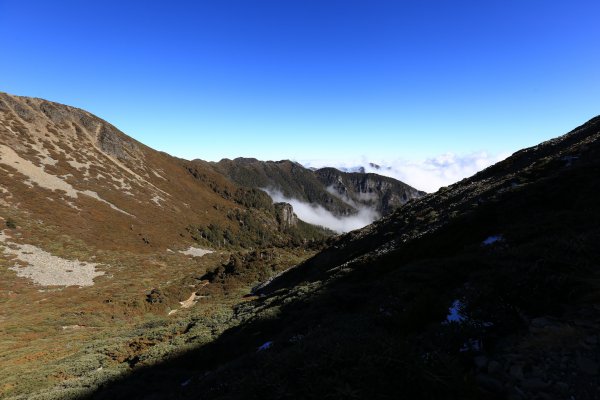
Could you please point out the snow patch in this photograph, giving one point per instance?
(492, 239)
(186, 382)
(455, 312)
(80, 166)
(192, 300)
(265, 346)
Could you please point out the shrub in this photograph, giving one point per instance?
(10, 223)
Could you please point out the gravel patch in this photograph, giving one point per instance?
(195, 252)
(47, 270)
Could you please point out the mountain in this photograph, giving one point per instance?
(341, 193)
(487, 288)
(61, 163)
(128, 273)
(100, 234)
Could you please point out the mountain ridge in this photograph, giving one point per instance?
(100, 234)
(341, 193)
(194, 286)
(70, 150)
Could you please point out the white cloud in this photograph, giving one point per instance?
(428, 175)
(317, 215)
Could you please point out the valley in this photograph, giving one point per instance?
(299, 200)
(112, 252)
(128, 273)
(485, 289)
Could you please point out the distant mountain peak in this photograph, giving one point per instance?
(325, 195)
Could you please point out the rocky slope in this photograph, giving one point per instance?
(99, 233)
(342, 193)
(487, 289)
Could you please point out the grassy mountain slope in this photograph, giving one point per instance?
(67, 166)
(99, 234)
(487, 289)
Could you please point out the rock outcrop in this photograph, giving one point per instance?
(381, 193)
(285, 215)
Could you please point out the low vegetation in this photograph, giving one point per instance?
(486, 289)
(10, 223)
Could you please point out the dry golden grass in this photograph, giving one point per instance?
(75, 187)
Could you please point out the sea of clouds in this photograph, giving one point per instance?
(428, 175)
(317, 215)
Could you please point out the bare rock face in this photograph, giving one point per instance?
(285, 215)
(114, 144)
(10, 103)
(381, 193)
(73, 123)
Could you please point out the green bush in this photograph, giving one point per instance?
(10, 223)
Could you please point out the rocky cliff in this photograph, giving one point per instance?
(285, 215)
(382, 193)
(341, 193)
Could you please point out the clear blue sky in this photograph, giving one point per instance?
(312, 79)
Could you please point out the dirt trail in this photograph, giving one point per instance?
(191, 301)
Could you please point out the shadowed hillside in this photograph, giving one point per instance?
(127, 273)
(486, 289)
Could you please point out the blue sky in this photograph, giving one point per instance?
(313, 80)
